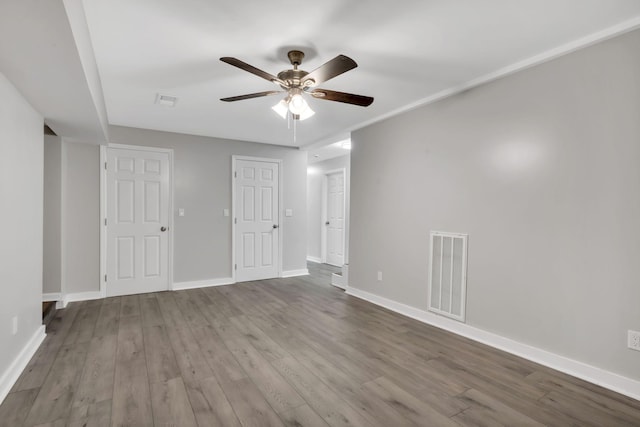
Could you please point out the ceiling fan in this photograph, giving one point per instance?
(297, 82)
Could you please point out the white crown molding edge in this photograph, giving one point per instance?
(13, 372)
(565, 49)
(178, 286)
(592, 374)
(295, 273)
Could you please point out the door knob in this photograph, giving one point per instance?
(326, 223)
(163, 229)
(275, 226)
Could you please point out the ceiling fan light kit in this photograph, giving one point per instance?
(295, 83)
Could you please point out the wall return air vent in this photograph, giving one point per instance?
(448, 274)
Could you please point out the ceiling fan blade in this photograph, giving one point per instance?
(338, 65)
(347, 98)
(250, 68)
(251, 95)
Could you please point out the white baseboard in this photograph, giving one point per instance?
(592, 374)
(54, 296)
(12, 373)
(338, 281)
(79, 296)
(178, 286)
(314, 259)
(295, 273)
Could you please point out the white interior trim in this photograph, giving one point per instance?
(314, 259)
(103, 214)
(234, 159)
(295, 273)
(323, 220)
(63, 218)
(325, 214)
(79, 296)
(338, 281)
(202, 283)
(592, 374)
(52, 296)
(12, 373)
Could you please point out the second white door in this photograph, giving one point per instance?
(334, 223)
(257, 228)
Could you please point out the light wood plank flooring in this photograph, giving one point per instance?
(294, 352)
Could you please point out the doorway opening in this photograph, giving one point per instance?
(328, 193)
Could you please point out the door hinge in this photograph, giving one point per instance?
(235, 220)
(235, 174)
(105, 165)
(105, 221)
(235, 267)
(105, 277)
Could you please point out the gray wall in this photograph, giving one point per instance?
(52, 225)
(81, 217)
(21, 189)
(315, 178)
(202, 186)
(202, 181)
(541, 169)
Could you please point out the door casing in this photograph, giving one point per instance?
(325, 215)
(103, 211)
(234, 159)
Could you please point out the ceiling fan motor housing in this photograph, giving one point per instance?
(293, 78)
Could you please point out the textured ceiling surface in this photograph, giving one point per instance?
(406, 51)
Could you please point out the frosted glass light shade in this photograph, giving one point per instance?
(308, 112)
(281, 109)
(297, 104)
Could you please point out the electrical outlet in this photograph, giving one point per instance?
(379, 276)
(633, 340)
(14, 325)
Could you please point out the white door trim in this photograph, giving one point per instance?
(325, 214)
(234, 159)
(103, 210)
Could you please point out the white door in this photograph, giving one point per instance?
(335, 219)
(257, 229)
(137, 221)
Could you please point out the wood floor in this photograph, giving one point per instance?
(294, 352)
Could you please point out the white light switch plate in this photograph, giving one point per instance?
(180, 212)
(225, 212)
(288, 212)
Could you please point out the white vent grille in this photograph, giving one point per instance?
(166, 100)
(448, 274)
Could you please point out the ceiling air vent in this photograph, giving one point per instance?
(166, 100)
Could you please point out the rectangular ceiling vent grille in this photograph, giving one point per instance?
(166, 100)
(448, 274)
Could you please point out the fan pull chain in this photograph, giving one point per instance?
(295, 131)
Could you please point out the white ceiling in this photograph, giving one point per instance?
(45, 51)
(328, 151)
(407, 52)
